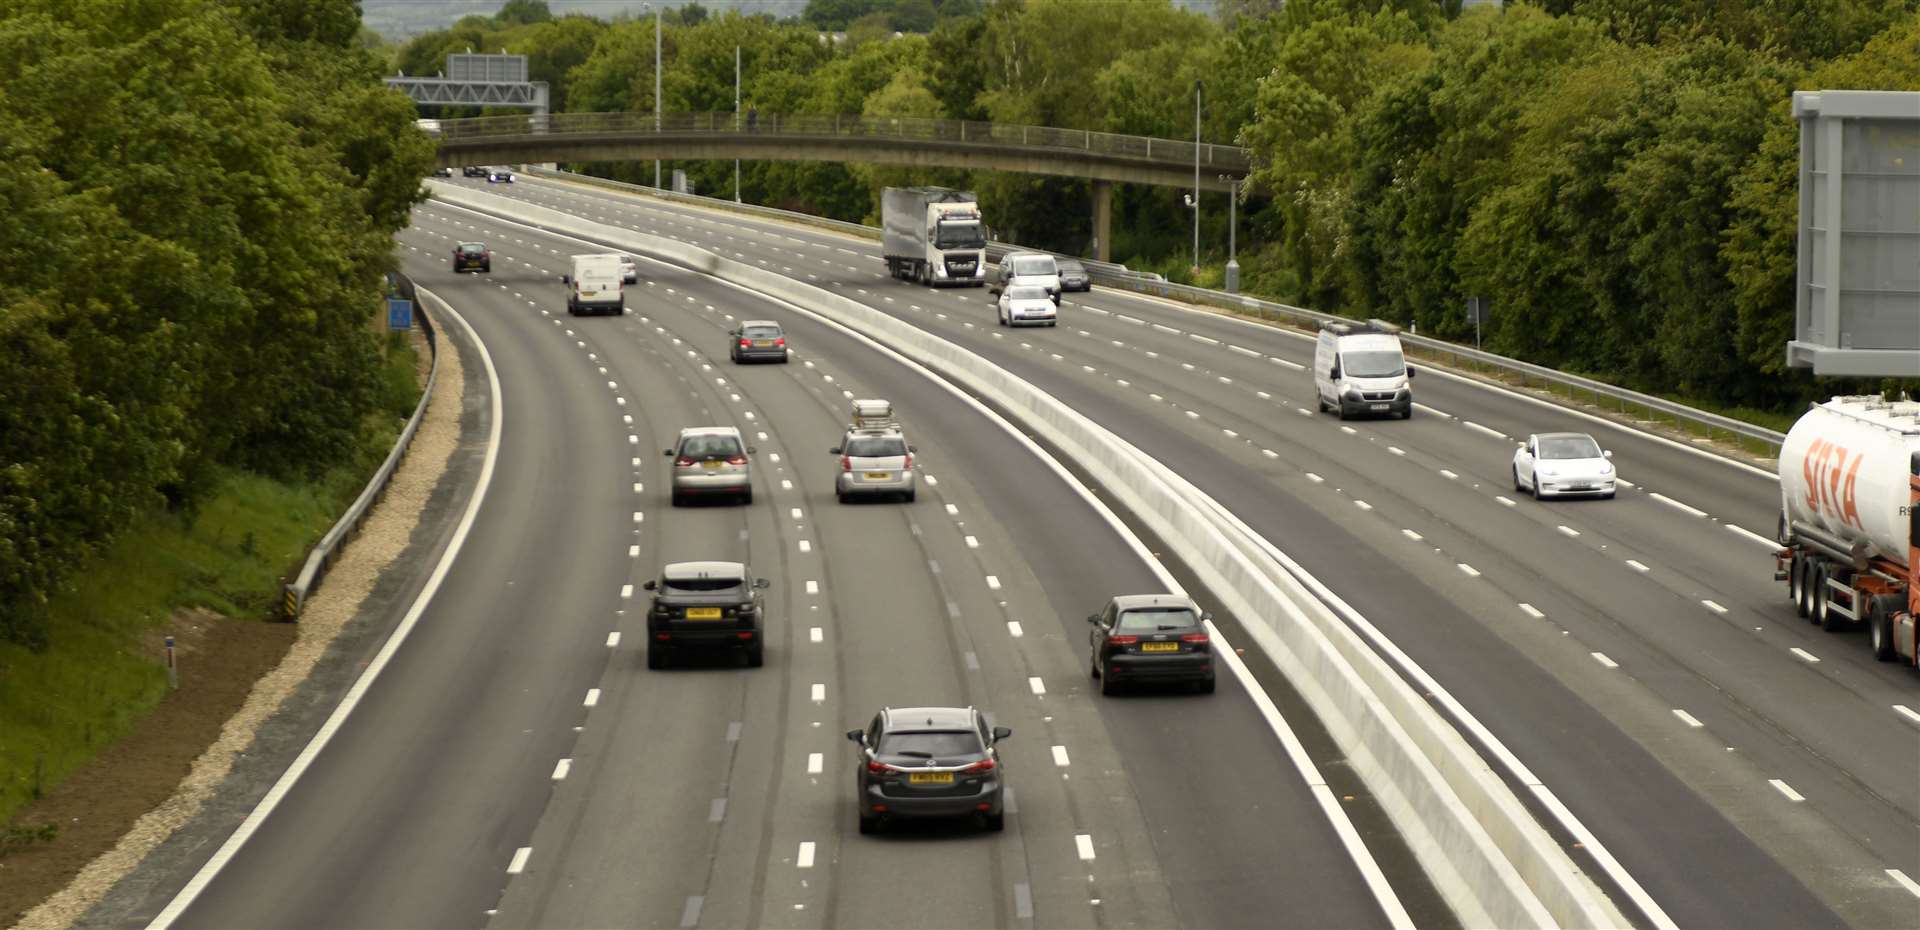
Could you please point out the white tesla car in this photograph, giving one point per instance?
(1563, 464)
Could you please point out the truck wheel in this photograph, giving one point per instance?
(1797, 585)
(1880, 627)
(1817, 595)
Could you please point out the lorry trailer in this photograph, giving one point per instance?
(933, 235)
(1850, 520)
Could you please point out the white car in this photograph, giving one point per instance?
(1562, 464)
(1028, 304)
(629, 271)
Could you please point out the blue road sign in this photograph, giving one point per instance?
(399, 314)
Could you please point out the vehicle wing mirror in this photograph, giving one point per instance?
(761, 583)
(752, 451)
(917, 448)
(1000, 733)
(1206, 615)
(994, 290)
(566, 279)
(857, 736)
(650, 585)
(668, 453)
(1093, 619)
(1410, 372)
(1335, 373)
(1607, 453)
(1056, 297)
(834, 451)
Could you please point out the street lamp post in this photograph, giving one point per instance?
(656, 88)
(736, 119)
(1197, 85)
(1233, 229)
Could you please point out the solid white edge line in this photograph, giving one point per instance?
(1330, 806)
(1604, 856)
(271, 800)
(1907, 712)
(1913, 887)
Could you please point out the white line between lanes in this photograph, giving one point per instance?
(561, 768)
(1601, 658)
(1037, 686)
(1490, 431)
(519, 863)
(816, 763)
(1716, 608)
(1913, 887)
(804, 858)
(1670, 502)
(1756, 537)
(613, 639)
(1060, 756)
(1786, 789)
(1014, 630)
(1907, 712)
(1532, 611)
(1802, 653)
(1687, 718)
(593, 697)
(1084, 842)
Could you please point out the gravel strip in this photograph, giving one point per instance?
(382, 538)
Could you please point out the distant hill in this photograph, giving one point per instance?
(402, 19)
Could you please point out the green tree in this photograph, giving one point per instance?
(836, 15)
(523, 12)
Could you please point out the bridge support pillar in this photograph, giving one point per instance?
(1102, 220)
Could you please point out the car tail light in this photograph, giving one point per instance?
(683, 461)
(1194, 638)
(781, 342)
(745, 634)
(984, 765)
(736, 460)
(881, 769)
(909, 463)
(846, 463)
(1122, 640)
(746, 343)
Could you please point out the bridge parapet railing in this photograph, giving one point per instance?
(1212, 157)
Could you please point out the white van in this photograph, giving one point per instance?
(1019, 269)
(1358, 369)
(595, 286)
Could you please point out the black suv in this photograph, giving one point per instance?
(705, 606)
(472, 256)
(1151, 637)
(928, 762)
(474, 171)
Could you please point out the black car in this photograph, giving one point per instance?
(443, 172)
(474, 171)
(757, 339)
(928, 762)
(1151, 637)
(472, 256)
(699, 606)
(1074, 277)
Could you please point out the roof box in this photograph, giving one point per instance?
(873, 413)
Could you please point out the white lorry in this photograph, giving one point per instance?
(933, 235)
(1850, 520)
(596, 285)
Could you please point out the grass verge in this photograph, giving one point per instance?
(103, 668)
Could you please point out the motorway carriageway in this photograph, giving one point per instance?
(1636, 655)
(518, 766)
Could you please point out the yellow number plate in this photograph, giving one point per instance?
(1159, 647)
(712, 463)
(930, 778)
(703, 613)
(762, 343)
(877, 475)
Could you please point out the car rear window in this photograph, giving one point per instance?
(1154, 619)
(761, 332)
(1039, 264)
(472, 248)
(700, 585)
(930, 744)
(876, 446)
(698, 446)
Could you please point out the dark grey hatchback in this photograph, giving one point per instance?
(928, 762)
(1151, 637)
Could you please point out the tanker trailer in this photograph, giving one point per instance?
(1850, 520)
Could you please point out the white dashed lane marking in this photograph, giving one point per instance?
(1786, 789)
(1687, 718)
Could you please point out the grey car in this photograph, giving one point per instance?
(929, 762)
(1074, 277)
(874, 462)
(711, 461)
(757, 340)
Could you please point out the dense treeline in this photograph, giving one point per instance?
(1616, 176)
(200, 196)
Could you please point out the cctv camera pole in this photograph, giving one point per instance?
(736, 119)
(1233, 263)
(1196, 174)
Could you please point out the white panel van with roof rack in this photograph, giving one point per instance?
(1359, 370)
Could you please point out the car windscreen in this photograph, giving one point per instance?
(700, 585)
(760, 332)
(1373, 363)
(1034, 264)
(930, 744)
(1156, 619)
(1569, 447)
(1027, 292)
(694, 447)
(960, 235)
(873, 447)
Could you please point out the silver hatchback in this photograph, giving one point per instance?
(711, 461)
(872, 463)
